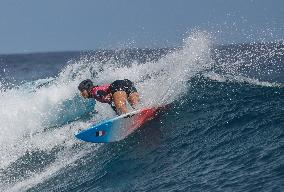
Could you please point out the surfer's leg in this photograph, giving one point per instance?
(132, 94)
(119, 98)
(134, 99)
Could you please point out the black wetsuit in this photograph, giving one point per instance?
(123, 85)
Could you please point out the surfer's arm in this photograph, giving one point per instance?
(108, 97)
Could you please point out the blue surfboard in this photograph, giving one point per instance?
(118, 128)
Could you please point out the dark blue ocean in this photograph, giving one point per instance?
(223, 132)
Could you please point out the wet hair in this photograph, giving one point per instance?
(85, 85)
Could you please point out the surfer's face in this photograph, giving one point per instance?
(85, 94)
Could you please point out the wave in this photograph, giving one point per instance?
(41, 117)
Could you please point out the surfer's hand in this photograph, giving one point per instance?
(109, 98)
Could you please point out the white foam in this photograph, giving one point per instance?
(24, 113)
(64, 159)
(239, 79)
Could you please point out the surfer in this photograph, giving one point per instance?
(114, 94)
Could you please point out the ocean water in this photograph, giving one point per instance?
(223, 132)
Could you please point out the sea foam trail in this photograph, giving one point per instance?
(240, 79)
(29, 110)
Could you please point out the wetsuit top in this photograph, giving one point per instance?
(100, 93)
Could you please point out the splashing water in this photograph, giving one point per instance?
(31, 115)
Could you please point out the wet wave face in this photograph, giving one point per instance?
(223, 132)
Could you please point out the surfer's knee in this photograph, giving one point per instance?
(123, 90)
(119, 99)
(134, 99)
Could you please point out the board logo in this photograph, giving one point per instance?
(128, 116)
(100, 133)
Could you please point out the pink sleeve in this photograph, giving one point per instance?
(105, 88)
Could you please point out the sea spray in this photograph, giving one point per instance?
(30, 109)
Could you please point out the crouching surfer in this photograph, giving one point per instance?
(116, 94)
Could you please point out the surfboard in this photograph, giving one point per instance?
(120, 127)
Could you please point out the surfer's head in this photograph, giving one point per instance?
(85, 87)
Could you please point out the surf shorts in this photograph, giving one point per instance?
(123, 85)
